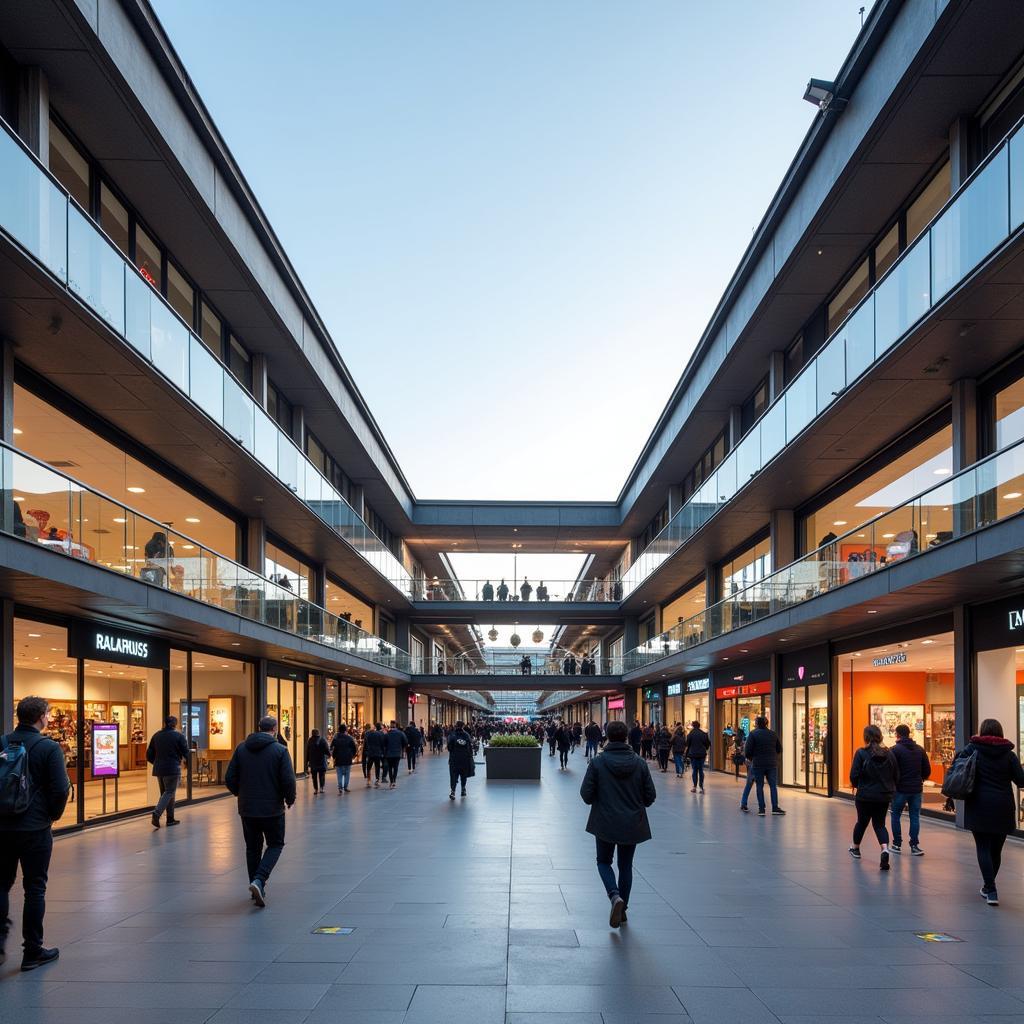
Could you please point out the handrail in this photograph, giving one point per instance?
(79, 511)
(989, 491)
(500, 591)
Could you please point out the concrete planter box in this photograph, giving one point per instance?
(513, 763)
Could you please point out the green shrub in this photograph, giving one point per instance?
(513, 741)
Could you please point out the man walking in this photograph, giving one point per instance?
(636, 736)
(460, 758)
(619, 789)
(698, 743)
(261, 775)
(395, 743)
(373, 753)
(762, 751)
(914, 769)
(166, 751)
(343, 750)
(26, 828)
(593, 735)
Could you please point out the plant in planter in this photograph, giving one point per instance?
(513, 741)
(513, 758)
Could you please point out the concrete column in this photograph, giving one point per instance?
(965, 423)
(34, 112)
(711, 583)
(402, 634)
(6, 666)
(7, 390)
(260, 690)
(630, 633)
(776, 374)
(782, 524)
(254, 555)
(259, 379)
(629, 709)
(318, 585)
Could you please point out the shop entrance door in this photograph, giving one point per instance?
(805, 737)
(287, 702)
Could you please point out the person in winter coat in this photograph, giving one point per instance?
(990, 813)
(647, 742)
(738, 751)
(166, 752)
(343, 750)
(874, 775)
(395, 742)
(460, 758)
(678, 750)
(698, 743)
(593, 735)
(551, 730)
(663, 744)
(636, 737)
(914, 769)
(317, 752)
(762, 750)
(618, 788)
(563, 741)
(373, 753)
(415, 740)
(261, 775)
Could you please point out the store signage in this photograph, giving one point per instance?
(1016, 617)
(998, 624)
(806, 668)
(652, 694)
(674, 689)
(899, 658)
(96, 642)
(743, 690)
(616, 703)
(104, 750)
(698, 685)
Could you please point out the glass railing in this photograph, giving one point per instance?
(509, 591)
(39, 215)
(503, 663)
(986, 210)
(48, 508)
(991, 491)
(471, 697)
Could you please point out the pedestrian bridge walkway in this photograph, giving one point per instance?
(489, 910)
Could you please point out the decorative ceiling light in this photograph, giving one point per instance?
(492, 634)
(515, 639)
(538, 636)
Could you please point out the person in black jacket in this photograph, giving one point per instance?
(343, 750)
(415, 738)
(593, 736)
(874, 774)
(167, 749)
(373, 753)
(261, 775)
(636, 737)
(618, 788)
(563, 741)
(460, 758)
(762, 750)
(914, 769)
(317, 752)
(662, 746)
(678, 749)
(395, 743)
(27, 838)
(990, 812)
(698, 743)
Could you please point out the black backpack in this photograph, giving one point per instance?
(959, 781)
(15, 779)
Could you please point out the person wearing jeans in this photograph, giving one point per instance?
(593, 737)
(698, 743)
(167, 750)
(343, 750)
(914, 768)
(618, 788)
(762, 751)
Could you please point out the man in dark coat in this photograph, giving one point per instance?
(762, 751)
(698, 743)
(415, 740)
(395, 742)
(343, 750)
(460, 758)
(27, 838)
(619, 789)
(167, 750)
(261, 775)
(373, 751)
(317, 753)
(593, 735)
(636, 737)
(914, 769)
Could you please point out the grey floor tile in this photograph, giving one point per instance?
(441, 1004)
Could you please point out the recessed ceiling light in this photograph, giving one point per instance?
(1011, 495)
(235, 643)
(887, 536)
(860, 534)
(191, 519)
(725, 659)
(119, 520)
(941, 472)
(19, 499)
(136, 490)
(35, 634)
(839, 522)
(18, 431)
(927, 641)
(872, 611)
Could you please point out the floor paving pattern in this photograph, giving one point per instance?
(489, 910)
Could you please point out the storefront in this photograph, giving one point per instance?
(742, 694)
(674, 704)
(998, 632)
(805, 720)
(903, 676)
(106, 687)
(697, 702)
(288, 701)
(616, 707)
(653, 708)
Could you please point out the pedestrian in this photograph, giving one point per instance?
(739, 745)
(762, 750)
(647, 743)
(678, 750)
(317, 752)
(395, 742)
(618, 788)
(577, 735)
(593, 737)
(167, 749)
(563, 741)
(262, 776)
(636, 736)
(27, 829)
(874, 775)
(343, 750)
(914, 768)
(990, 812)
(663, 744)
(460, 758)
(698, 743)
(551, 730)
(415, 739)
(373, 751)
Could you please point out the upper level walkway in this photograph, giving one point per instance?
(489, 910)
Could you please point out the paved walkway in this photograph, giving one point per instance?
(489, 911)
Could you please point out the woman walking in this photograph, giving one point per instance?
(663, 743)
(874, 774)
(316, 760)
(990, 810)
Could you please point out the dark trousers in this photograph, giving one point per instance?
(168, 788)
(392, 768)
(261, 862)
(32, 851)
(697, 765)
(319, 778)
(551, 748)
(624, 884)
(873, 812)
(663, 759)
(374, 765)
(990, 855)
(455, 774)
(591, 749)
(410, 757)
(759, 776)
(563, 758)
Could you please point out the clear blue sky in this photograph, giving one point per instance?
(515, 216)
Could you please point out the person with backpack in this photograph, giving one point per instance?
(260, 774)
(343, 750)
(914, 769)
(34, 791)
(167, 749)
(460, 758)
(618, 788)
(990, 812)
(874, 775)
(698, 743)
(593, 736)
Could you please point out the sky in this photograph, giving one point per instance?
(515, 217)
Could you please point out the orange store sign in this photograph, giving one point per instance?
(743, 690)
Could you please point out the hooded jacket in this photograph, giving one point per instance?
(762, 748)
(991, 808)
(395, 743)
(261, 776)
(167, 749)
(679, 742)
(698, 743)
(593, 733)
(373, 743)
(413, 736)
(619, 789)
(47, 769)
(460, 752)
(875, 776)
(343, 750)
(316, 753)
(914, 766)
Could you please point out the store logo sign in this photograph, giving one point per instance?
(1016, 619)
(674, 689)
(126, 647)
(800, 673)
(122, 645)
(698, 685)
(899, 658)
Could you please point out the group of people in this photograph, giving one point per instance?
(488, 591)
(587, 666)
(687, 749)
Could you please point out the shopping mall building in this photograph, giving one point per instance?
(200, 515)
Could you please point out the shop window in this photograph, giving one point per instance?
(220, 716)
(288, 571)
(114, 219)
(905, 683)
(316, 454)
(1008, 415)
(682, 609)
(928, 203)
(886, 251)
(745, 569)
(804, 735)
(846, 299)
(180, 294)
(239, 362)
(901, 477)
(70, 167)
(148, 258)
(287, 702)
(211, 330)
(347, 606)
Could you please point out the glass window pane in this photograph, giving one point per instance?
(210, 330)
(138, 296)
(1017, 180)
(848, 296)
(831, 372)
(886, 251)
(239, 361)
(147, 258)
(266, 441)
(206, 381)
(858, 333)
(903, 297)
(773, 431)
(287, 462)
(1009, 414)
(95, 270)
(170, 344)
(800, 403)
(180, 295)
(114, 218)
(69, 166)
(928, 203)
(238, 413)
